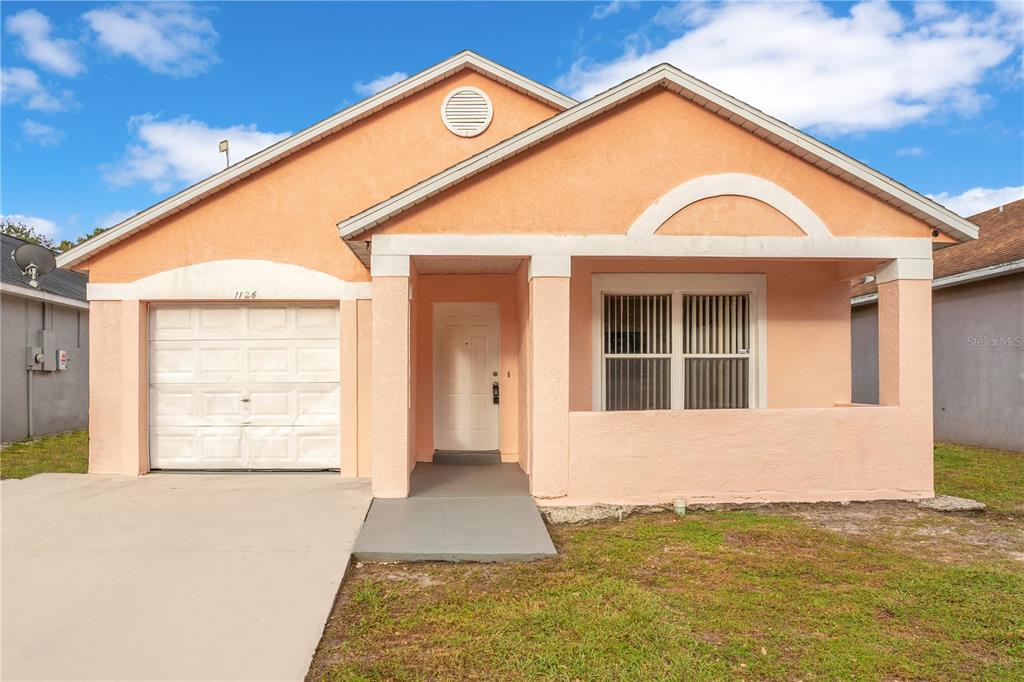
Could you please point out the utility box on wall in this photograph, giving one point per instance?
(46, 357)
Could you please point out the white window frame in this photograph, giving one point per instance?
(677, 284)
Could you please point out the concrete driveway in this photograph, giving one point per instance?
(172, 576)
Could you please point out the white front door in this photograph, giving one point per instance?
(465, 370)
(244, 386)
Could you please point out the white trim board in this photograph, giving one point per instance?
(524, 245)
(978, 275)
(45, 296)
(304, 138)
(234, 280)
(770, 129)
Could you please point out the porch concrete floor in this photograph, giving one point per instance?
(457, 512)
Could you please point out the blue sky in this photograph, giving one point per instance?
(109, 108)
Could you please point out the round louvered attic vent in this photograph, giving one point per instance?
(467, 111)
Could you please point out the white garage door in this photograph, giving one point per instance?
(244, 387)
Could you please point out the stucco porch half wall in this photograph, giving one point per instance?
(636, 297)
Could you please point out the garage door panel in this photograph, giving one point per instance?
(297, 447)
(246, 447)
(255, 404)
(260, 320)
(318, 405)
(244, 387)
(236, 361)
(191, 448)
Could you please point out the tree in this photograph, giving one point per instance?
(26, 233)
(30, 234)
(67, 243)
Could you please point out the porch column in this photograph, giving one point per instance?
(549, 368)
(118, 388)
(905, 363)
(905, 333)
(390, 376)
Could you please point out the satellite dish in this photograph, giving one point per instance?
(34, 261)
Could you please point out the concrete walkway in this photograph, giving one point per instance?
(457, 512)
(172, 576)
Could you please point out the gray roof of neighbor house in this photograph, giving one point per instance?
(59, 282)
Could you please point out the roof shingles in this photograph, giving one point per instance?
(59, 282)
(1000, 240)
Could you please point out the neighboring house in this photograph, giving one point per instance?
(977, 335)
(637, 296)
(54, 317)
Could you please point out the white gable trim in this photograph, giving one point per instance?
(528, 245)
(233, 280)
(770, 129)
(729, 184)
(302, 139)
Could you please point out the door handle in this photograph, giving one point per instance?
(495, 392)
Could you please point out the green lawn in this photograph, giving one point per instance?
(66, 453)
(994, 477)
(731, 595)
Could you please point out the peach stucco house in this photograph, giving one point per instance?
(636, 297)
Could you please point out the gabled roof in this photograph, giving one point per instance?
(998, 250)
(58, 282)
(665, 75)
(302, 139)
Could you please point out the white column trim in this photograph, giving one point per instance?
(729, 184)
(389, 265)
(550, 266)
(904, 268)
(236, 279)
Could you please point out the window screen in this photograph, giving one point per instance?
(637, 351)
(716, 351)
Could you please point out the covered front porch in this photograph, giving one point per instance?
(602, 395)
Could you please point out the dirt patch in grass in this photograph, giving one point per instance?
(950, 538)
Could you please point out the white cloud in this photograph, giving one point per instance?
(978, 199)
(910, 151)
(379, 83)
(113, 218)
(607, 9)
(870, 69)
(33, 29)
(40, 133)
(181, 151)
(19, 85)
(173, 38)
(43, 226)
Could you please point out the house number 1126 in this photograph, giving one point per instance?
(250, 293)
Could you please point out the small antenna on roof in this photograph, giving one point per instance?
(227, 155)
